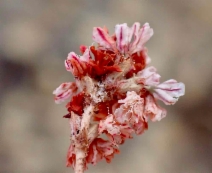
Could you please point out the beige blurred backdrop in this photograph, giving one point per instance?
(35, 38)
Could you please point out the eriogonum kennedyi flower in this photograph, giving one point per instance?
(114, 93)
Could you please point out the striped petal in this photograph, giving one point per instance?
(141, 37)
(169, 91)
(134, 31)
(64, 92)
(75, 65)
(123, 38)
(101, 36)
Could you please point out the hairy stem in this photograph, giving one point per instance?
(82, 139)
(80, 160)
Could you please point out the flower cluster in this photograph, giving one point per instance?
(114, 94)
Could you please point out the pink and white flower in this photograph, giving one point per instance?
(114, 94)
(128, 40)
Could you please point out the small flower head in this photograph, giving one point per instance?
(115, 93)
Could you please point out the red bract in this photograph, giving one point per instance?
(140, 60)
(114, 93)
(76, 104)
(103, 62)
(71, 156)
(83, 48)
(102, 110)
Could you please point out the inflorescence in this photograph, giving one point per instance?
(114, 95)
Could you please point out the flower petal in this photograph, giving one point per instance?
(100, 149)
(109, 125)
(75, 65)
(102, 37)
(64, 92)
(140, 127)
(86, 55)
(152, 110)
(169, 91)
(134, 32)
(141, 37)
(117, 133)
(148, 77)
(122, 32)
(131, 109)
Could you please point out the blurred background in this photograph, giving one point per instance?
(35, 38)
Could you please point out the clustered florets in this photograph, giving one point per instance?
(114, 93)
